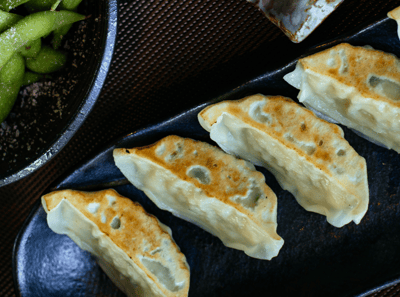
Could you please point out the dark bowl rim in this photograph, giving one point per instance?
(85, 108)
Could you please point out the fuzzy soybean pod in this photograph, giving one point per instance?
(39, 5)
(47, 61)
(30, 78)
(7, 5)
(31, 28)
(60, 32)
(7, 20)
(59, 35)
(70, 4)
(10, 82)
(31, 49)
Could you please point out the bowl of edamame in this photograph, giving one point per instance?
(54, 58)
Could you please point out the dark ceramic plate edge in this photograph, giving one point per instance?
(17, 241)
(233, 94)
(84, 109)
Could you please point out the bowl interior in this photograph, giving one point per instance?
(48, 113)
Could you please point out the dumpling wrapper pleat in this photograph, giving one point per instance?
(308, 156)
(201, 184)
(395, 15)
(133, 248)
(358, 87)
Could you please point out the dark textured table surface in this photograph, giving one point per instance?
(170, 56)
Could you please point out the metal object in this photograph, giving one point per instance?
(296, 18)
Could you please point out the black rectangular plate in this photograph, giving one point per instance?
(317, 259)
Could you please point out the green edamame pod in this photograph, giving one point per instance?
(30, 78)
(8, 95)
(33, 27)
(7, 5)
(48, 60)
(10, 82)
(59, 34)
(31, 49)
(14, 70)
(39, 5)
(70, 4)
(7, 20)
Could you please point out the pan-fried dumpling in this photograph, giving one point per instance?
(133, 248)
(395, 15)
(358, 87)
(308, 156)
(216, 191)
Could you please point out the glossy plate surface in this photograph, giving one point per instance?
(317, 259)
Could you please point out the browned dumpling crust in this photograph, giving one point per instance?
(134, 249)
(308, 156)
(358, 87)
(200, 183)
